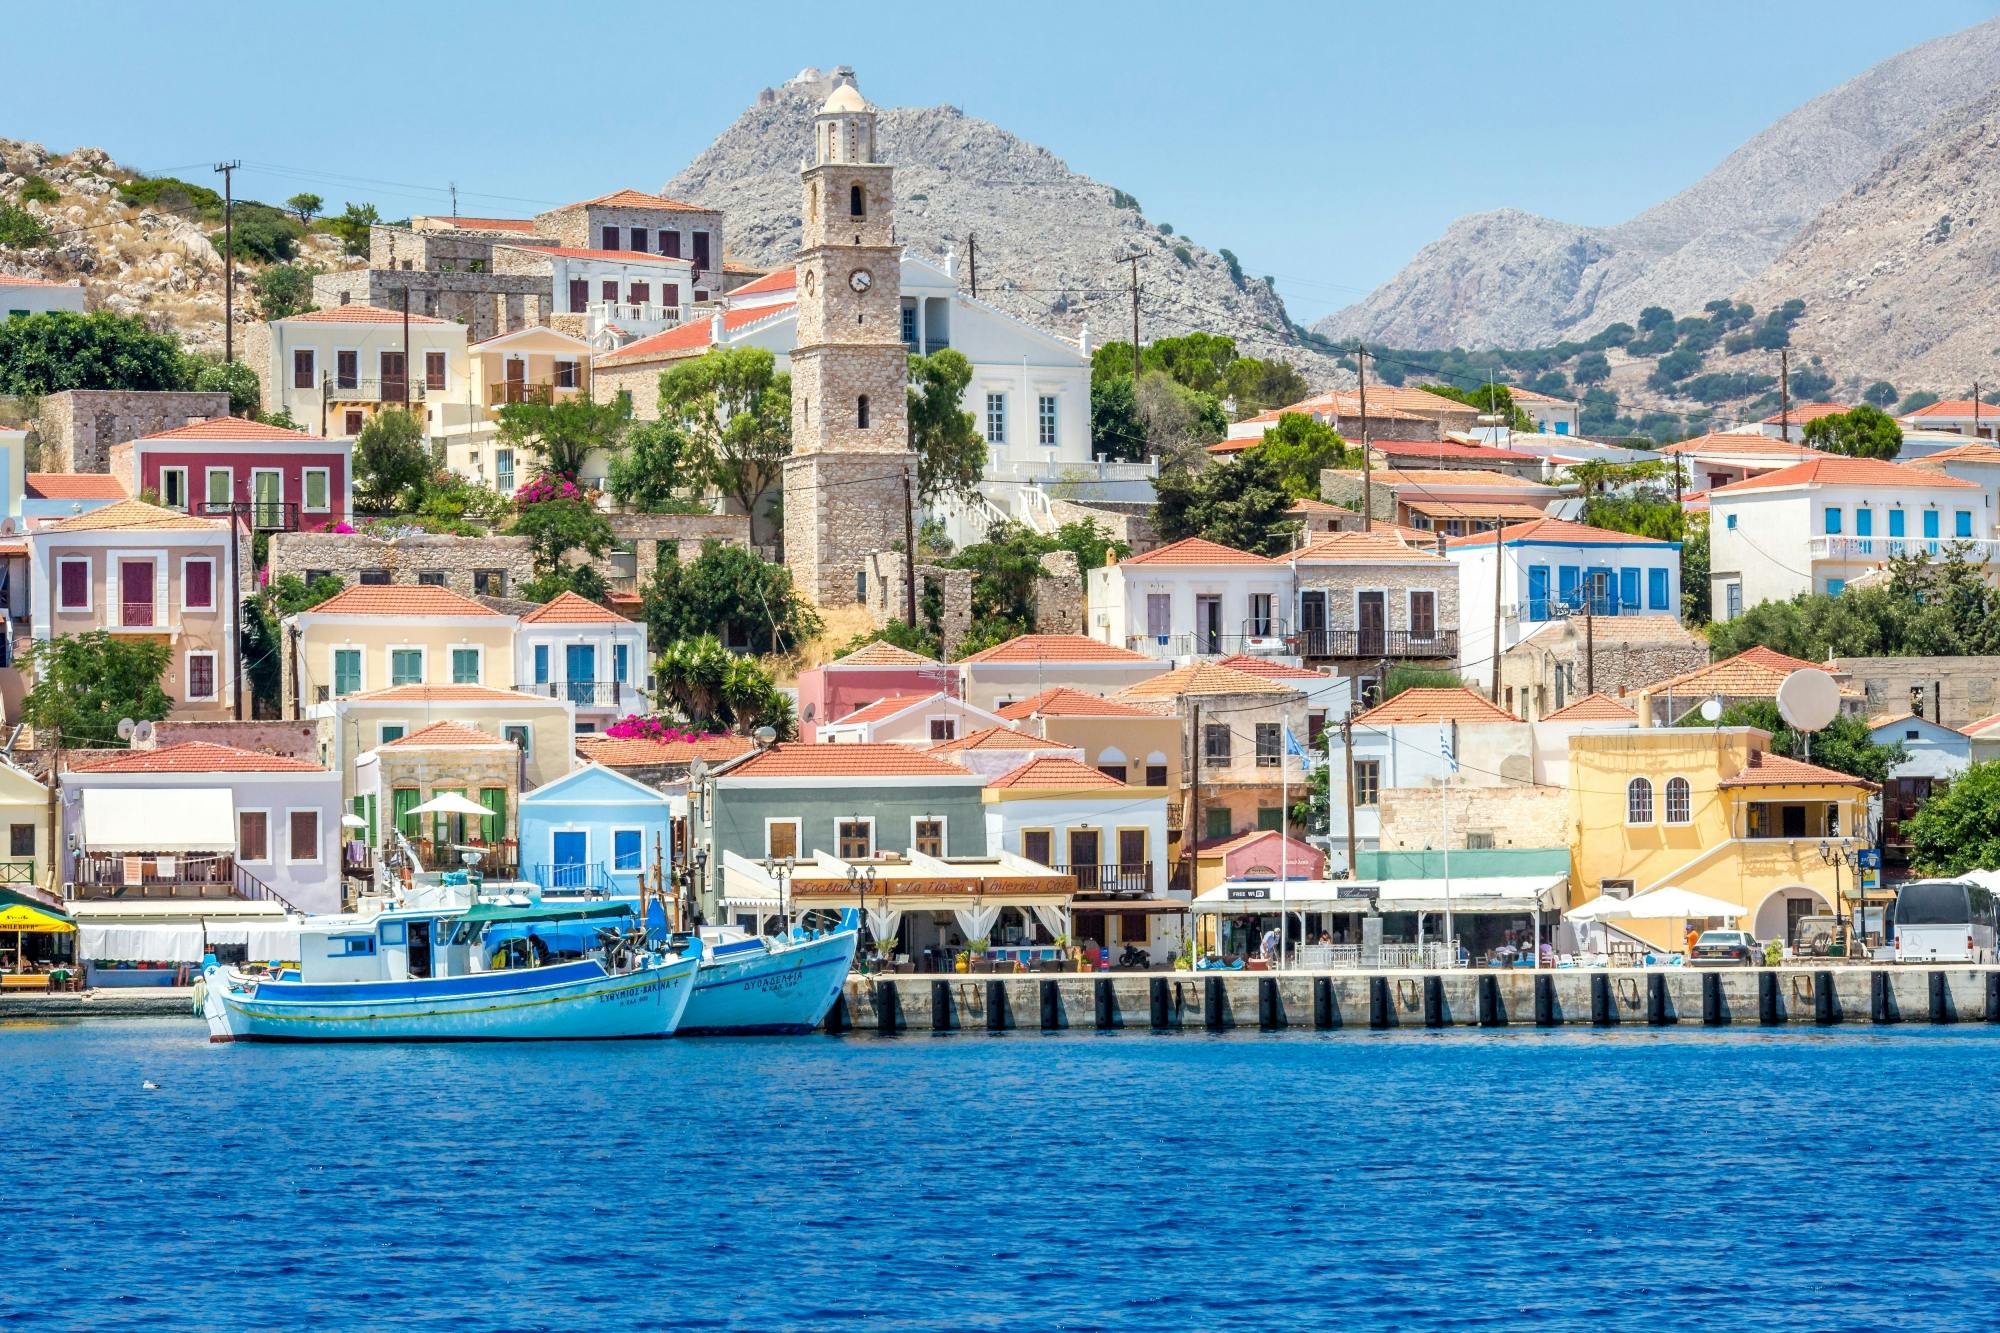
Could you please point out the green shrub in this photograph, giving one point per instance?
(166, 194)
(22, 230)
(37, 190)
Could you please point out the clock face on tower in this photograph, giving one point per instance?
(860, 280)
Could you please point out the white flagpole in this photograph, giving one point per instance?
(1284, 838)
(1444, 794)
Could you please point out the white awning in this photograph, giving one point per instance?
(131, 819)
(1471, 894)
(261, 943)
(140, 944)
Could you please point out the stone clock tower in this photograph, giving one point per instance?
(845, 481)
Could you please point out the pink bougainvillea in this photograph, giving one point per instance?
(633, 727)
(551, 486)
(343, 527)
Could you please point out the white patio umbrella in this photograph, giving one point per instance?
(449, 803)
(1669, 903)
(353, 821)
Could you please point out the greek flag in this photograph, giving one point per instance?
(1445, 750)
(1292, 746)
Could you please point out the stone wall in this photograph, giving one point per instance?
(1059, 595)
(1341, 581)
(888, 596)
(78, 426)
(487, 304)
(1953, 691)
(1130, 523)
(686, 533)
(1342, 486)
(1625, 663)
(839, 510)
(404, 558)
(581, 226)
(294, 740)
(1413, 817)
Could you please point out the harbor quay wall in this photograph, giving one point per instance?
(1513, 997)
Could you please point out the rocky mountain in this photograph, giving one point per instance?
(1898, 274)
(1509, 278)
(1048, 241)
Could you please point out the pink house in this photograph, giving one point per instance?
(1261, 855)
(870, 673)
(283, 480)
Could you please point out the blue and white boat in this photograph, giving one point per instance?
(751, 985)
(483, 971)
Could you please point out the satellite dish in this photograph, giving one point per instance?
(698, 769)
(1711, 710)
(126, 726)
(142, 733)
(1808, 699)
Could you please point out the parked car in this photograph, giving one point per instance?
(1726, 948)
(1816, 936)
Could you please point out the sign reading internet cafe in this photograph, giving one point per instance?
(969, 887)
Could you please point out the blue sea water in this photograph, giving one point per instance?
(1633, 1179)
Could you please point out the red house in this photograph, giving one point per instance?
(870, 673)
(271, 478)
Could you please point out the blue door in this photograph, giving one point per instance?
(568, 855)
(1864, 528)
(1628, 591)
(580, 670)
(1538, 592)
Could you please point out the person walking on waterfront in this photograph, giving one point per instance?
(1692, 935)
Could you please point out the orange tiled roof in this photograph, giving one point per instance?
(1475, 509)
(1197, 551)
(134, 515)
(1557, 530)
(996, 738)
(1775, 770)
(74, 486)
(616, 256)
(1974, 728)
(640, 752)
(1449, 477)
(639, 199)
(1754, 671)
(1961, 453)
(1062, 701)
(400, 599)
(194, 757)
(1447, 449)
(1840, 470)
(793, 760)
(882, 708)
(691, 336)
(23, 280)
(446, 694)
(1801, 413)
(1055, 771)
(1204, 678)
(1599, 707)
(882, 653)
(357, 313)
(1057, 648)
(1360, 547)
(1741, 442)
(1432, 704)
(1955, 407)
(487, 224)
(236, 428)
(446, 733)
(778, 280)
(1272, 669)
(568, 608)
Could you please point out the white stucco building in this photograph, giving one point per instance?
(1193, 598)
(592, 658)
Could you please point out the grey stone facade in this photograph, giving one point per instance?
(1552, 667)
(1951, 691)
(487, 303)
(457, 562)
(1342, 486)
(1059, 595)
(888, 596)
(1127, 521)
(78, 426)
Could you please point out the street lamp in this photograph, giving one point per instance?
(782, 871)
(1843, 853)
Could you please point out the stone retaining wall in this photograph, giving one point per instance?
(78, 426)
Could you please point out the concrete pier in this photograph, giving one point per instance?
(1359, 1001)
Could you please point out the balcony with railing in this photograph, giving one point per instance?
(636, 318)
(584, 879)
(614, 695)
(99, 876)
(1255, 638)
(336, 389)
(1881, 550)
(261, 515)
(545, 392)
(1370, 644)
(1121, 880)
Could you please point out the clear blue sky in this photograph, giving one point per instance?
(1323, 144)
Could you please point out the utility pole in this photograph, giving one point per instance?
(1192, 833)
(1589, 650)
(1367, 491)
(1975, 409)
(228, 170)
(406, 348)
(1347, 745)
(1133, 260)
(1785, 394)
(909, 551)
(972, 261)
(454, 209)
(1499, 554)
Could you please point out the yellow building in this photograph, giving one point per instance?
(537, 364)
(1710, 810)
(372, 637)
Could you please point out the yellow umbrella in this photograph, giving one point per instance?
(25, 919)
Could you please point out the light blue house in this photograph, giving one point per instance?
(594, 830)
(1929, 750)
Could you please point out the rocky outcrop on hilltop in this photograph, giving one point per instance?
(1514, 279)
(1048, 240)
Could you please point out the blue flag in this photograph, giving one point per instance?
(1445, 750)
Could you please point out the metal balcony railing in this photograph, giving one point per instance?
(337, 390)
(588, 879)
(261, 515)
(591, 693)
(1371, 643)
(137, 615)
(101, 875)
(544, 392)
(1124, 879)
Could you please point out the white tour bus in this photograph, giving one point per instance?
(1944, 921)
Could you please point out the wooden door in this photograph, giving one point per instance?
(135, 592)
(395, 380)
(1083, 858)
(1373, 624)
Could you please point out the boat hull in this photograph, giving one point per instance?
(762, 990)
(568, 1002)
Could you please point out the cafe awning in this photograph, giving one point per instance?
(22, 917)
(1156, 906)
(133, 819)
(1472, 894)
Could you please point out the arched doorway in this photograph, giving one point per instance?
(1777, 915)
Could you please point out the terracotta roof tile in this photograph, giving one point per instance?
(446, 694)
(134, 516)
(1974, 728)
(1058, 648)
(1450, 477)
(1197, 551)
(1744, 443)
(486, 224)
(1062, 701)
(996, 738)
(74, 486)
(640, 199)
(692, 336)
(778, 280)
(1429, 704)
(882, 653)
(639, 752)
(568, 608)
(616, 256)
(236, 428)
(1954, 407)
(1559, 531)
(1800, 413)
(1754, 672)
(193, 757)
(1840, 470)
(1272, 669)
(1519, 510)
(1448, 449)
(1361, 548)
(357, 313)
(1775, 770)
(1204, 678)
(23, 280)
(1055, 771)
(1653, 629)
(445, 733)
(882, 708)
(400, 599)
(1962, 453)
(1599, 707)
(794, 760)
